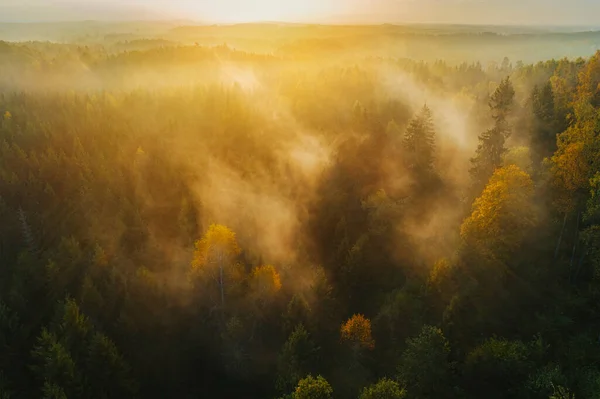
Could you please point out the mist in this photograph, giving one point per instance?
(250, 210)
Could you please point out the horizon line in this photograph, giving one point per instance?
(195, 22)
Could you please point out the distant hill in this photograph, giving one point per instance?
(453, 43)
(69, 31)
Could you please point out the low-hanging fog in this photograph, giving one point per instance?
(242, 202)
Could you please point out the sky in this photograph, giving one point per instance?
(511, 12)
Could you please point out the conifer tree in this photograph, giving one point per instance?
(419, 143)
(491, 146)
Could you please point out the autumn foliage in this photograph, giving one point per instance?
(503, 213)
(357, 332)
(217, 246)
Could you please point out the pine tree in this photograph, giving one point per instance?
(54, 365)
(419, 143)
(297, 355)
(544, 127)
(492, 142)
(107, 371)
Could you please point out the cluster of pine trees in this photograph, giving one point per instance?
(189, 241)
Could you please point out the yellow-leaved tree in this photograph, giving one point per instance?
(503, 214)
(571, 173)
(575, 161)
(215, 257)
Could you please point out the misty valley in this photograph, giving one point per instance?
(299, 212)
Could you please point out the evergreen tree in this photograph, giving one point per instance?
(491, 146)
(544, 128)
(425, 368)
(106, 370)
(297, 357)
(497, 368)
(419, 144)
(53, 364)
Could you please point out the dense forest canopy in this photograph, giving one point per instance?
(299, 218)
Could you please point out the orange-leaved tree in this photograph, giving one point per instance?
(357, 332)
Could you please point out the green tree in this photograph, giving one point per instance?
(235, 346)
(491, 146)
(497, 368)
(383, 389)
(298, 311)
(313, 388)
(106, 370)
(53, 391)
(11, 333)
(297, 357)
(561, 393)
(544, 381)
(72, 326)
(53, 363)
(544, 121)
(419, 143)
(399, 318)
(424, 367)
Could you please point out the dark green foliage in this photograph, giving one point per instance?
(108, 375)
(544, 382)
(498, 367)
(425, 367)
(53, 364)
(544, 122)
(53, 391)
(298, 357)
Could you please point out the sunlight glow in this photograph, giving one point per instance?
(236, 11)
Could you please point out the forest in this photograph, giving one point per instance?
(190, 220)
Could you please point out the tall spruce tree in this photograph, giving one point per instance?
(419, 143)
(491, 146)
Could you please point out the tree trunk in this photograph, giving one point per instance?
(221, 283)
(574, 247)
(583, 254)
(560, 236)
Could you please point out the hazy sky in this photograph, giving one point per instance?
(555, 12)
